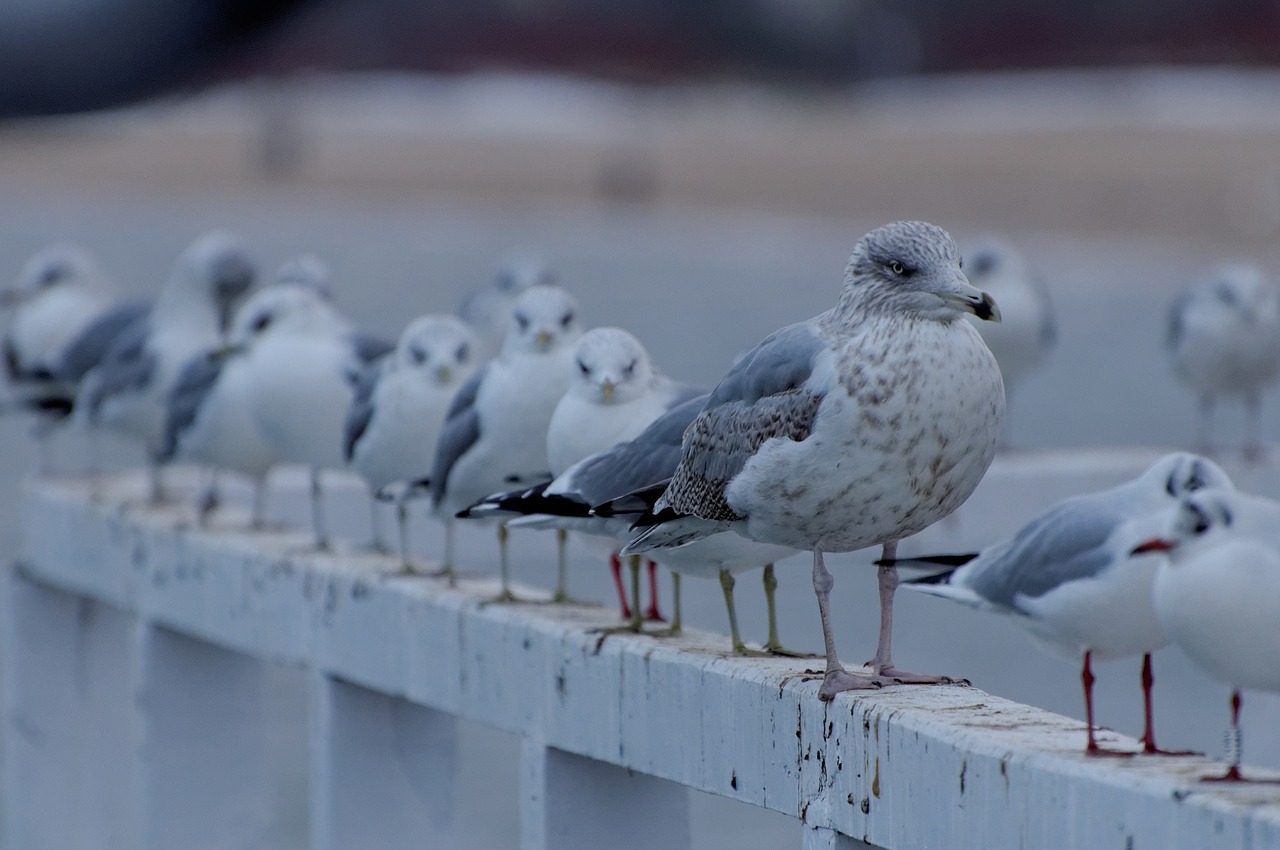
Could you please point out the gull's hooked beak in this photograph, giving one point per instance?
(543, 339)
(607, 389)
(1155, 544)
(443, 374)
(969, 298)
(228, 350)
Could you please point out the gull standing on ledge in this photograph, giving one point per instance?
(860, 426)
(1224, 336)
(495, 432)
(395, 418)
(487, 308)
(614, 394)
(1217, 595)
(1070, 576)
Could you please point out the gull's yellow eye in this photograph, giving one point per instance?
(896, 267)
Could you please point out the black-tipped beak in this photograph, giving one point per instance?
(986, 309)
(1155, 544)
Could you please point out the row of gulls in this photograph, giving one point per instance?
(853, 429)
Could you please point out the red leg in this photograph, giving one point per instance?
(653, 614)
(1149, 733)
(1233, 745)
(1087, 679)
(615, 564)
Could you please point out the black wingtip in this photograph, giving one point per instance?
(929, 561)
(943, 577)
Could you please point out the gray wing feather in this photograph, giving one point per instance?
(651, 457)
(126, 366)
(762, 397)
(460, 432)
(196, 380)
(88, 348)
(360, 413)
(369, 348)
(1066, 544)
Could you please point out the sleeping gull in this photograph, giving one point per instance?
(129, 388)
(860, 426)
(303, 359)
(567, 503)
(614, 394)
(487, 308)
(1217, 595)
(60, 299)
(209, 419)
(398, 410)
(1068, 576)
(1224, 336)
(1026, 333)
(495, 432)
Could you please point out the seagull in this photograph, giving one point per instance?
(494, 435)
(1217, 594)
(1224, 336)
(488, 307)
(585, 498)
(1027, 330)
(303, 360)
(860, 426)
(1068, 577)
(398, 410)
(63, 309)
(129, 387)
(614, 393)
(209, 419)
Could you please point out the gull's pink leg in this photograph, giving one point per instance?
(653, 614)
(615, 564)
(1149, 732)
(836, 679)
(1234, 750)
(882, 664)
(1087, 679)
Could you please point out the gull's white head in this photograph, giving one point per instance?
(610, 367)
(543, 319)
(1197, 522)
(306, 270)
(57, 265)
(284, 309)
(1180, 474)
(912, 267)
(215, 269)
(442, 347)
(990, 260)
(1243, 290)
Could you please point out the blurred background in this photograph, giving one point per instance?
(696, 173)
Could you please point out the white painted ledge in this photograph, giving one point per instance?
(905, 767)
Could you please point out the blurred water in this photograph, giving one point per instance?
(697, 288)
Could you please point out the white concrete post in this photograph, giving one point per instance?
(383, 770)
(70, 777)
(206, 778)
(570, 802)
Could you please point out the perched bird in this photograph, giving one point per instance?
(586, 498)
(128, 389)
(302, 364)
(1224, 336)
(495, 431)
(1027, 330)
(209, 419)
(398, 410)
(1217, 595)
(487, 308)
(614, 393)
(64, 316)
(860, 426)
(1068, 577)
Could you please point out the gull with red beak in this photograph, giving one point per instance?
(1076, 577)
(1217, 594)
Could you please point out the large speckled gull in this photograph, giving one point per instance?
(1070, 578)
(858, 427)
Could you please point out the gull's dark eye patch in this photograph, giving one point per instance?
(566, 319)
(522, 321)
(463, 352)
(417, 355)
(261, 323)
(630, 368)
(584, 368)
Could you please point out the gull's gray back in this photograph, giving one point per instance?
(91, 344)
(460, 432)
(196, 380)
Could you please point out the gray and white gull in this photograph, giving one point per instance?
(858, 427)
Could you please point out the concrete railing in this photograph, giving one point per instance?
(135, 712)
